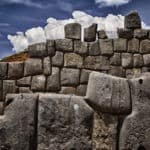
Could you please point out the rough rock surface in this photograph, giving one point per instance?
(3, 70)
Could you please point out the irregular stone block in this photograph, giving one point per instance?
(117, 71)
(68, 90)
(94, 48)
(141, 33)
(15, 70)
(38, 83)
(106, 93)
(90, 33)
(73, 31)
(69, 124)
(1, 108)
(146, 58)
(9, 87)
(132, 21)
(3, 70)
(80, 47)
(145, 69)
(137, 60)
(145, 47)
(116, 59)
(38, 50)
(73, 60)
(26, 81)
(18, 125)
(81, 90)
(33, 67)
(58, 59)
(135, 133)
(24, 90)
(84, 76)
(102, 34)
(120, 45)
(53, 81)
(125, 33)
(50, 44)
(70, 77)
(65, 45)
(106, 46)
(133, 45)
(47, 65)
(127, 60)
(133, 73)
(97, 63)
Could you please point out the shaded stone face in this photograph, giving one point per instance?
(125, 33)
(3, 70)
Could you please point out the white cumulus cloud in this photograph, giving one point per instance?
(55, 29)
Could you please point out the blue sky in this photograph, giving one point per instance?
(21, 15)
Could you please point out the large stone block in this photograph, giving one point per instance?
(18, 124)
(145, 47)
(47, 65)
(38, 50)
(1, 108)
(102, 34)
(81, 90)
(127, 60)
(106, 46)
(133, 45)
(90, 33)
(120, 45)
(137, 60)
(58, 59)
(25, 81)
(15, 70)
(50, 44)
(53, 81)
(66, 121)
(3, 70)
(133, 73)
(97, 63)
(94, 48)
(125, 33)
(141, 33)
(108, 94)
(135, 132)
(70, 77)
(24, 90)
(73, 31)
(33, 66)
(65, 45)
(116, 59)
(68, 90)
(84, 76)
(146, 58)
(38, 83)
(117, 71)
(133, 21)
(73, 60)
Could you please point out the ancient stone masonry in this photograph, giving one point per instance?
(82, 113)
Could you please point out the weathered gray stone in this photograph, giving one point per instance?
(68, 90)
(9, 87)
(65, 45)
(133, 45)
(84, 76)
(146, 58)
(145, 47)
(70, 77)
(1, 108)
(81, 90)
(135, 133)
(69, 124)
(38, 50)
(33, 66)
(132, 21)
(47, 65)
(102, 34)
(97, 63)
(3, 70)
(15, 70)
(116, 59)
(106, 46)
(73, 31)
(117, 71)
(50, 44)
(90, 33)
(127, 60)
(17, 126)
(25, 81)
(80, 47)
(1, 90)
(38, 83)
(133, 73)
(120, 45)
(125, 33)
(94, 48)
(24, 90)
(106, 93)
(145, 69)
(53, 81)
(58, 59)
(137, 60)
(73, 60)
(141, 33)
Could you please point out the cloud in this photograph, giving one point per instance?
(105, 3)
(4, 24)
(55, 29)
